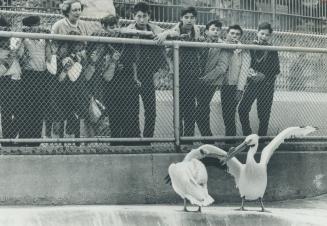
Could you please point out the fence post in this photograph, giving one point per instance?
(176, 97)
(273, 2)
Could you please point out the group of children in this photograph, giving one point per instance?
(117, 74)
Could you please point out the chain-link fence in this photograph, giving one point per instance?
(125, 89)
(285, 15)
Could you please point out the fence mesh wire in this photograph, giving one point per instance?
(122, 90)
(286, 15)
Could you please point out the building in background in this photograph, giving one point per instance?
(286, 15)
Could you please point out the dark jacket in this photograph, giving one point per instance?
(149, 58)
(266, 62)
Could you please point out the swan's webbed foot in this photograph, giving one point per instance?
(263, 209)
(241, 209)
(242, 206)
(185, 209)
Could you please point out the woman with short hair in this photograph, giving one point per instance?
(71, 101)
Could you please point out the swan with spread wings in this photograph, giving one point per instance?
(251, 177)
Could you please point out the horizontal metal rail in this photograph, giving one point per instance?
(163, 140)
(85, 140)
(263, 138)
(10, 34)
(163, 24)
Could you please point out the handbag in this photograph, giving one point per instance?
(4, 64)
(89, 72)
(109, 73)
(52, 65)
(96, 109)
(3, 70)
(74, 72)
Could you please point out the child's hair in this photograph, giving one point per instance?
(265, 26)
(31, 21)
(109, 20)
(4, 24)
(189, 9)
(141, 6)
(67, 4)
(217, 23)
(235, 27)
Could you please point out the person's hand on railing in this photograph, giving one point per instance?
(160, 38)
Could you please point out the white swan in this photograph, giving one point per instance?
(189, 179)
(251, 177)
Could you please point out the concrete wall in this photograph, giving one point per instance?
(139, 178)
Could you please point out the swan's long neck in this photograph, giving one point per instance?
(251, 153)
(213, 151)
(193, 154)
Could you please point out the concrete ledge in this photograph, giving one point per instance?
(298, 212)
(139, 178)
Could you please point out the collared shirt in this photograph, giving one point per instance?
(234, 68)
(64, 27)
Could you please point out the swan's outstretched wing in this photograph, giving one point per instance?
(290, 132)
(234, 166)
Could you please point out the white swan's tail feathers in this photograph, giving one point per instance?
(205, 202)
(208, 201)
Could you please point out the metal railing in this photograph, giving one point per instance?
(286, 15)
(299, 98)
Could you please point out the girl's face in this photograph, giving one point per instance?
(264, 35)
(75, 12)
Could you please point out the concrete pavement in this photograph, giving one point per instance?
(311, 211)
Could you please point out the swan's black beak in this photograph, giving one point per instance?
(235, 150)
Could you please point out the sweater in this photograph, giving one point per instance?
(229, 67)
